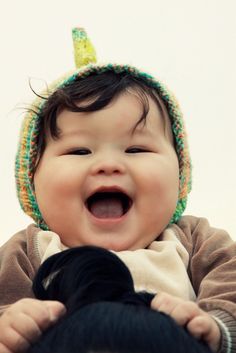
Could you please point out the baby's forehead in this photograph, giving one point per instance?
(131, 113)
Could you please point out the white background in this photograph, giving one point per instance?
(188, 44)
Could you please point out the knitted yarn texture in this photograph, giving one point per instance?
(85, 60)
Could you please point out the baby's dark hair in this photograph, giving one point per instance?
(104, 313)
(90, 94)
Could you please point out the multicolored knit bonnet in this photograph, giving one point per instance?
(85, 60)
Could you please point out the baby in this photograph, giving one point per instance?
(103, 160)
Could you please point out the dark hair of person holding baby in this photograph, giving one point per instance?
(104, 313)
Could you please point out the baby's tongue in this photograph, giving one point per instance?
(107, 208)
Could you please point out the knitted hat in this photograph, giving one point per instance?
(85, 60)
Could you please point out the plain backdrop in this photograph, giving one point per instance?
(188, 44)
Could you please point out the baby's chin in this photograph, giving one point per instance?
(118, 245)
(108, 244)
(113, 237)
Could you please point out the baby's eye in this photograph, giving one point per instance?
(80, 151)
(136, 150)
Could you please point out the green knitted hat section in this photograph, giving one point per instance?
(27, 148)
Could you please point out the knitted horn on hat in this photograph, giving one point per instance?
(85, 60)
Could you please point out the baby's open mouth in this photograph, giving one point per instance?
(109, 204)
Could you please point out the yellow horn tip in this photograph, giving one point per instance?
(84, 52)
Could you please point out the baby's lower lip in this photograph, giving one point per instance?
(107, 220)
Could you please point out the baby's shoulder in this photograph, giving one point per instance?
(20, 243)
(195, 231)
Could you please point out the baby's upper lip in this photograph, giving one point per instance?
(109, 189)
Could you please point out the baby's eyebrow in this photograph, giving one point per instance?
(75, 132)
(141, 132)
(143, 128)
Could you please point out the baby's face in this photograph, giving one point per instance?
(101, 183)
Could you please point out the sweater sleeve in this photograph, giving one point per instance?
(18, 265)
(212, 270)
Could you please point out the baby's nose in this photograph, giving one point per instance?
(108, 165)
